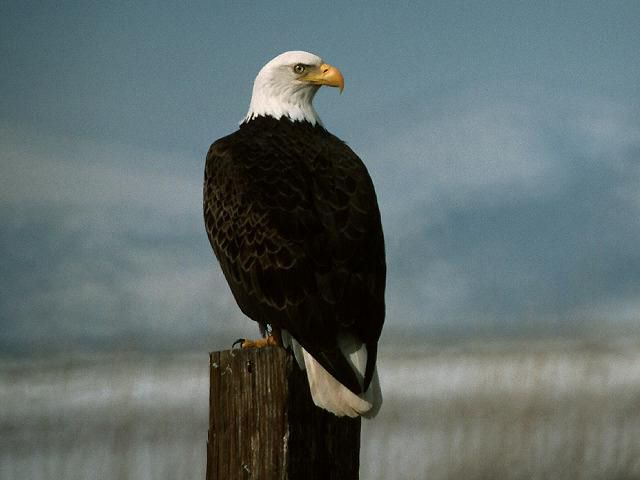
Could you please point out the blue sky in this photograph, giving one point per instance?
(503, 138)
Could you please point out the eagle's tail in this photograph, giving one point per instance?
(330, 394)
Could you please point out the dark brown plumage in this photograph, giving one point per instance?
(292, 216)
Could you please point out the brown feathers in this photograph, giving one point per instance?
(293, 219)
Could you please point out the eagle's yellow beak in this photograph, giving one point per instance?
(326, 75)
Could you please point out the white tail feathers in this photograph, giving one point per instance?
(330, 394)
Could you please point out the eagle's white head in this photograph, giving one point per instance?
(287, 84)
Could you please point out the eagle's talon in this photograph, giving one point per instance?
(260, 343)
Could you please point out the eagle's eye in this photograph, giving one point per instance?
(299, 68)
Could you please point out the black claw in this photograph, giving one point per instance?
(239, 341)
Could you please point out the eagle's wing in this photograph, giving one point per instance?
(300, 242)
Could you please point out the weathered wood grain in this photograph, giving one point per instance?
(263, 424)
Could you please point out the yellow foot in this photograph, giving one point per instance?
(261, 342)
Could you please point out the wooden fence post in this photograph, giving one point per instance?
(263, 424)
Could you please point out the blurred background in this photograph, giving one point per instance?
(504, 142)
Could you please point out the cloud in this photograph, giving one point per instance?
(512, 212)
(103, 246)
(505, 213)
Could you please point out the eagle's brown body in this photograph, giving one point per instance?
(292, 216)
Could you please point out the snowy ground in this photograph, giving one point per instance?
(560, 410)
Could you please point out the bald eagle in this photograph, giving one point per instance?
(292, 216)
